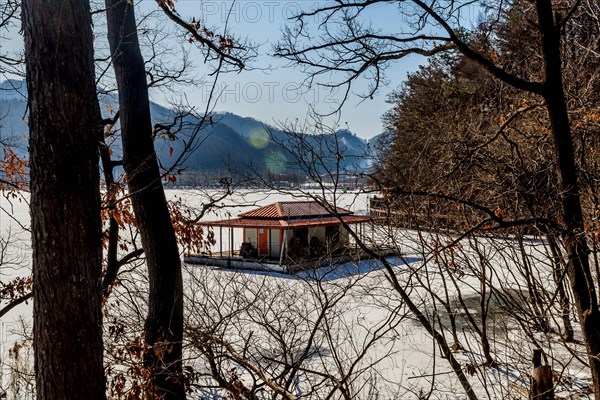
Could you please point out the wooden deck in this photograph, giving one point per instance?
(235, 261)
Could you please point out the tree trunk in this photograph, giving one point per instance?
(578, 268)
(541, 386)
(112, 266)
(558, 272)
(65, 199)
(164, 323)
(537, 304)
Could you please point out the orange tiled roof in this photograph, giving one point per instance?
(292, 209)
(292, 223)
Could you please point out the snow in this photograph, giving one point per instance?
(403, 362)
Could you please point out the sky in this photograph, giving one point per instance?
(271, 90)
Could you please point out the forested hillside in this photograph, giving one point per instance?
(223, 144)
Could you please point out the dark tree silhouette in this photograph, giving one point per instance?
(65, 199)
(164, 321)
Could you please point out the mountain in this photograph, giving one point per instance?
(13, 106)
(229, 144)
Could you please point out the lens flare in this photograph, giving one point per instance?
(259, 138)
(276, 162)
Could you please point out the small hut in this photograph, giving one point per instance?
(284, 233)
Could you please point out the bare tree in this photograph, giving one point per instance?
(483, 294)
(355, 50)
(11, 62)
(255, 340)
(164, 323)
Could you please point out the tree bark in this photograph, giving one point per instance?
(65, 199)
(578, 268)
(541, 386)
(164, 322)
(112, 265)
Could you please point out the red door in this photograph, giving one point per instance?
(263, 241)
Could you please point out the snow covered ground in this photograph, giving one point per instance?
(352, 325)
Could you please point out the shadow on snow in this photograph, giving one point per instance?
(333, 272)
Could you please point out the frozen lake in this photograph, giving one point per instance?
(360, 327)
